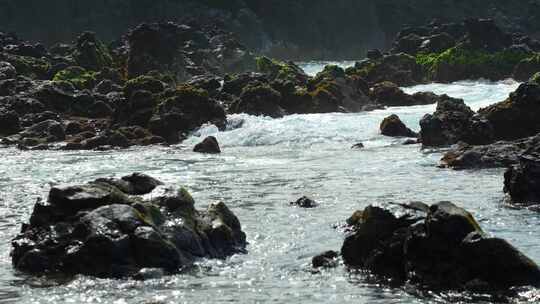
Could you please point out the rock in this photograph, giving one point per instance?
(134, 184)
(259, 100)
(389, 94)
(105, 229)
(401, 69)
(333, 90)
(394, 127)
(7, 70)
(90, 53)
(439, 247)
(515, 117)
(327, 259)
(485, 34)
(358, 146)
(522, 180)
(453, 121)
(9, 122)
(304, 202)
(184, 110)
(182, 51)
(497, 154)
(283, 71)
(410, 142)
(208, 145)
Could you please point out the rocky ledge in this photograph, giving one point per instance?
(438, 247)
(122, 227)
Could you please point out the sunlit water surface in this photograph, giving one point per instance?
(265, 164)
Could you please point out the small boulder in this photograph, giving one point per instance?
(327, 259)
(209, 145)
(394, 127)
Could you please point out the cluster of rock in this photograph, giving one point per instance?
(446, 52)
(123, 227)
(438, 247)
(160, 82)
(90, 95)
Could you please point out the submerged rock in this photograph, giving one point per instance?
(105, 229)
(394, 127)
(439, 247)
(327, 259)
(208, 145)
(304, 202)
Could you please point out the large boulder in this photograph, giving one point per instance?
(401, 69)
(259, 99)
(438, 247)
(183, 110)
(516, 117)
(106, 229)
(389, 94)
(394, 127)
(454, 121)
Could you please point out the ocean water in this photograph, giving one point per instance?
(265, 164)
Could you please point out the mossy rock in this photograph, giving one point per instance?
(146, 83)
(28, 66)
(330, 72)
(279, 70)
(527, 68)
(78, 76)
(91, 53)
(460, 62)
(535, 78)
(150, 214)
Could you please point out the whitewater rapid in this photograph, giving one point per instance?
(265, 164)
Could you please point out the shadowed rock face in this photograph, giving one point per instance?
(107, 229)
(522, 180)
(437, 247)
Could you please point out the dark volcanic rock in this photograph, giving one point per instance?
(498, 154)
(327, 259)
(394, 127)
(522, 181)
(453, 121)
(100, 229)
(389, 94)
(441, 247)
(208, 145)
(304, 202)
(185, 109)
(184, 51)
(259, 100)
(516, 117)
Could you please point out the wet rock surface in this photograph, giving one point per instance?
(117, 227)
(437, 247)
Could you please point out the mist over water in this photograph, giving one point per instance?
(265, 164)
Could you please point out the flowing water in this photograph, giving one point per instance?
(265, 164)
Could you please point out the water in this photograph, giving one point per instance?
(265, 164)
